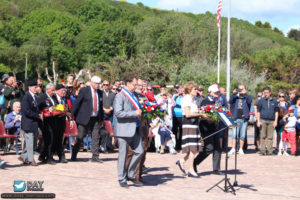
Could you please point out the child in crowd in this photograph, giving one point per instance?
(288, 134)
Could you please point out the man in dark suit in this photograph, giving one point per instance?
(211, 144)
(29, 122)
(88, 113)
(45, 101)
(59, 98)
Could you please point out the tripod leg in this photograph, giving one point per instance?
(229, 186)
(215, 185)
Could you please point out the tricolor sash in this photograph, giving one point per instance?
(131, 98)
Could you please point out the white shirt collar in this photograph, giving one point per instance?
(33, 95)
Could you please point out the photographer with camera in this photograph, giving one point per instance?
(240, 103)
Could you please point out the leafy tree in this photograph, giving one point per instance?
(281, 64)
(278, 31)
(106, 40)
(11, 57)
(54, 25)
(37, 51)
(258, 24)
(267, 25)
(294, 34)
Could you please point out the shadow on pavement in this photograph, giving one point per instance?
(245, 186)
(154, 169)
(109, 159)
(158, 179)
(229, 172)
(6, 165)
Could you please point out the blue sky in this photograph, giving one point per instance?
(283, 14)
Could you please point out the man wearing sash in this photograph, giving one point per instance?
(127, 118)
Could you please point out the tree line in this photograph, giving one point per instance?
(115, 38)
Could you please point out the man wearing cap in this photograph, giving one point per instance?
(59, 98)
(29, 121)
(211, 144)
(45, 101)
(88, 113)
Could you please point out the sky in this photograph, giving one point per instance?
(283, 14)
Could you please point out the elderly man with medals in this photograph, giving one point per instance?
(46, 102)
(55, 110)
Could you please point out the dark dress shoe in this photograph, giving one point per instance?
(33, 164)
(96, 159)
(63, 160)
(217, 172)
(192, 175)
(51, 162)
(41, 159)
(135, 182)
(123, 184)
(73, 158)
(20, 158)
(140, 179)
(180, 167)
(145, 169)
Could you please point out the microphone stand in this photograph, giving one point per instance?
(226, 180)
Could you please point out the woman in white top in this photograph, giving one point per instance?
(191, 140)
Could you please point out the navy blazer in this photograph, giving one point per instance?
(30, 113)
(83, 106)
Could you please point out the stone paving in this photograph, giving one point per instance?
(259, 177)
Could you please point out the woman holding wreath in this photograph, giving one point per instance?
(191, 139)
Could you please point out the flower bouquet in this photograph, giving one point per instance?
(58, 109)
(211, 111)
(151, 110)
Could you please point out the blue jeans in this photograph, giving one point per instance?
(87, 141)
(240, 132)
(164, 135)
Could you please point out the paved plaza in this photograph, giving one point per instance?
(259, 177)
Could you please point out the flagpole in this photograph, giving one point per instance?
(228, 54)
(219, 44)
(219, 36)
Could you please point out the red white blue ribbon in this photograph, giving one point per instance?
(131, 98)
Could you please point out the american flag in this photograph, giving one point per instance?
(219, 13)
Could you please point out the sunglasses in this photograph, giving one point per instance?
(281, 96)
(105, 84)
(150, 89)
(114, 88)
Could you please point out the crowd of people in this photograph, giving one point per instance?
(95, 107)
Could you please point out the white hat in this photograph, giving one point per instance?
(213, 88)
(96, 79)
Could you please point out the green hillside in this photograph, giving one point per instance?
(114, 38)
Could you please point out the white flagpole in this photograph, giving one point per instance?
(228, 54)
(219, 44)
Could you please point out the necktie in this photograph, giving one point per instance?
(95, 102)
